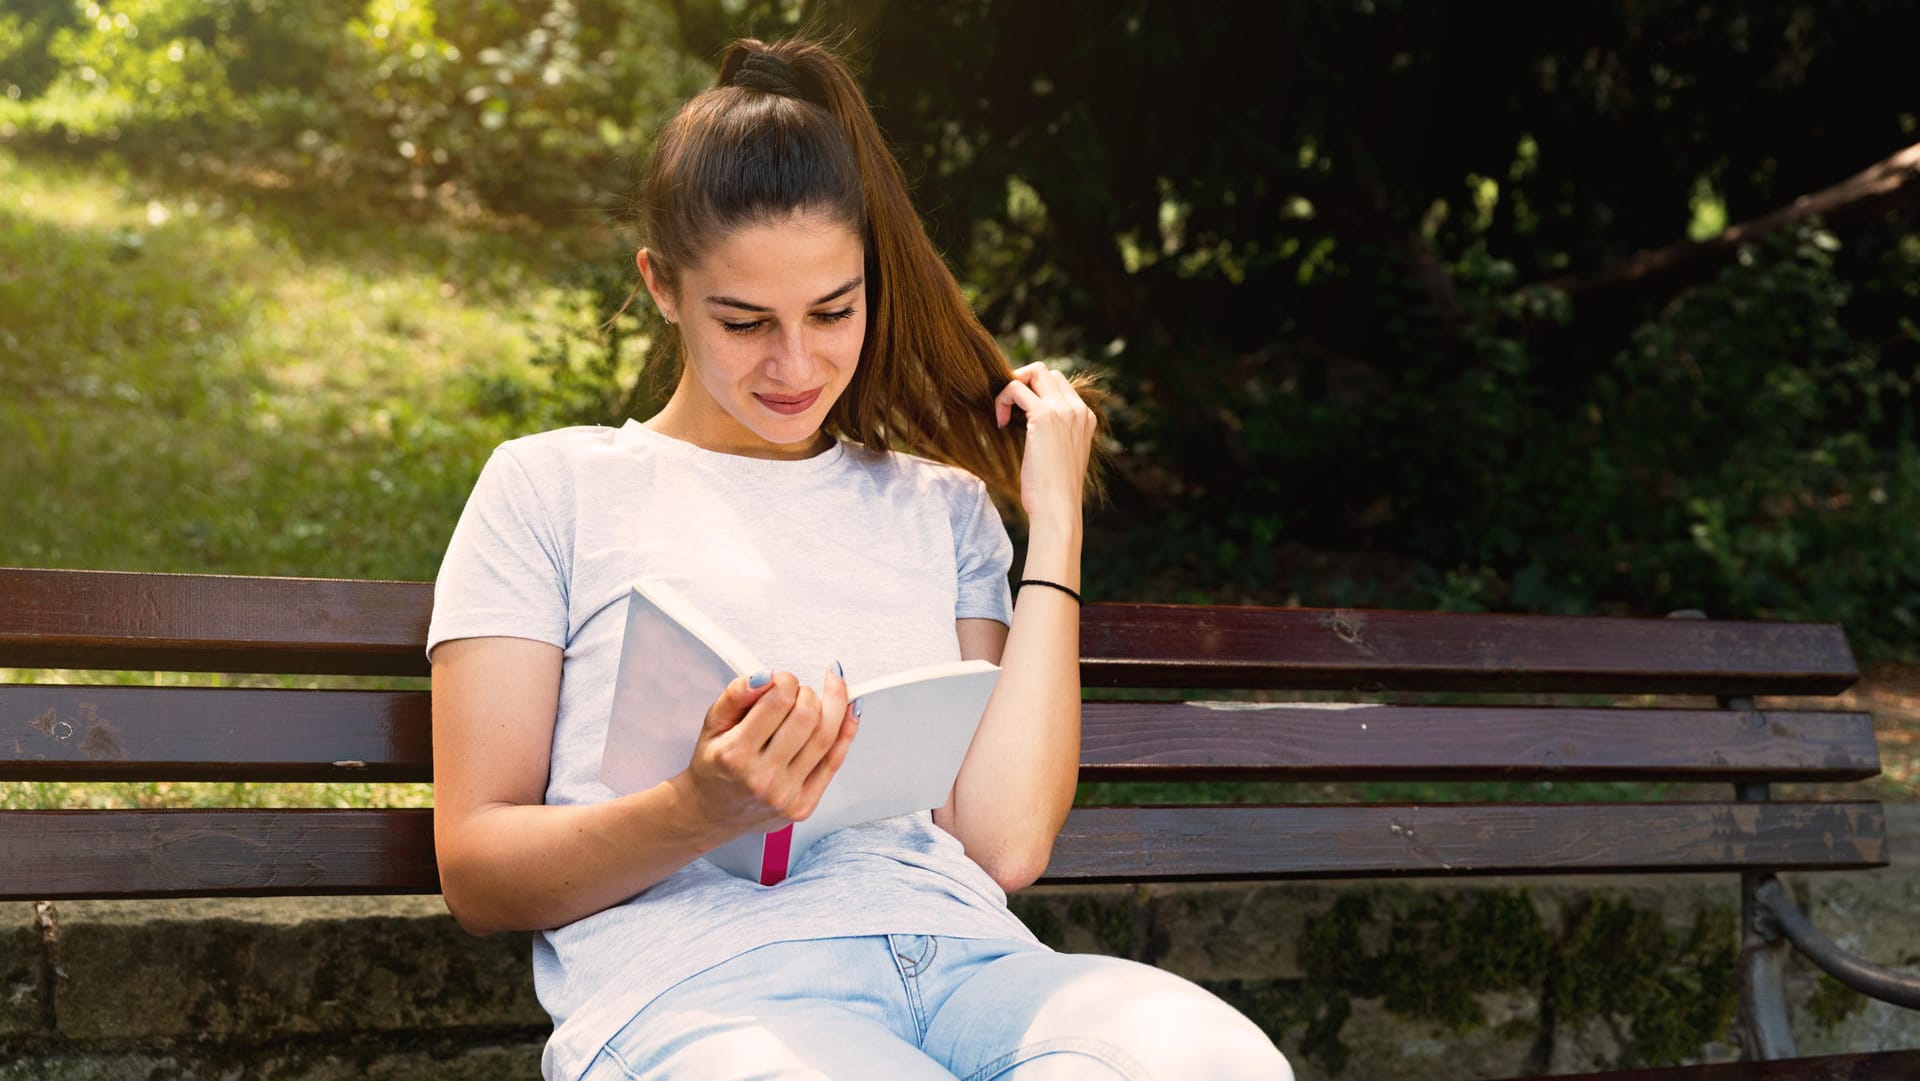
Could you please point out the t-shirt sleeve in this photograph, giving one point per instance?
(506, 569)
(983, 553)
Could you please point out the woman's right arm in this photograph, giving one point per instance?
(508, 861)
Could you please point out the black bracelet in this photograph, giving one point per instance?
(1025, 582)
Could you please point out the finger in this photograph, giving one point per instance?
(1061, 386)
(763, 719)
(833, 692)
(834, 709)
(735, 700)
(829, 765)
(786, 741)
(1015, 394)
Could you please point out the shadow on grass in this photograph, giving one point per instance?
(200, 382)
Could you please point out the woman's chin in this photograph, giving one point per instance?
(792, 437)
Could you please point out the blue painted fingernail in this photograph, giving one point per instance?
(759, 679)
(839, 672)
(856, 709)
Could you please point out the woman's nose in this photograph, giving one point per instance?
(790, 362)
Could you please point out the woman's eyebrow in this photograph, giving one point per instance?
(846, 287)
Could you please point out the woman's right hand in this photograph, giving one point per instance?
(765, 754)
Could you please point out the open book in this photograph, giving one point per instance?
(915, 727)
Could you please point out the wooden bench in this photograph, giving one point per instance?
(1470, 698)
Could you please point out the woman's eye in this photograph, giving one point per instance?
(747, 327)
(834, 317)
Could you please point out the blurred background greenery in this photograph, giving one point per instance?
(1403, 304)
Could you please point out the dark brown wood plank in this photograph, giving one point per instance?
(56, 854)
(1148, 645)
(1135, 844)
(105, 619)
(1134, 741)
(51, 855)
(1875, 1066)
(212, 623)
(73, 733)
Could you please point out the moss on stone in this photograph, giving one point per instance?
(1438, 954)
(1113, 923)
(1833, 1002)
(1430, 959)
(1675, 990)
(1433, 957)
(1041, 919)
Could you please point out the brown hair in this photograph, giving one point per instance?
(786, 129)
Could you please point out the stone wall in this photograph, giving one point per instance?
(1441, 981)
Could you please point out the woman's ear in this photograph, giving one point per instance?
(656, 283)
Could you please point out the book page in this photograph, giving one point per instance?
(668, 679)
(915, 728)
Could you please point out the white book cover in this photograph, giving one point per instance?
(915, 727)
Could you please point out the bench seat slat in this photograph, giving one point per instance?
(1872, 1066)
(78, 732)
(177, 622)
(49, 855)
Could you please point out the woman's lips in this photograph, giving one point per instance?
(788, 404)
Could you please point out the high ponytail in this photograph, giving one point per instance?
(928, 370)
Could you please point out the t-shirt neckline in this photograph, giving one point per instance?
(738, 464)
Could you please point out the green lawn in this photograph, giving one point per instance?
(233, 381)
(234, 378)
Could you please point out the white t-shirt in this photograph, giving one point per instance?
(851, 555)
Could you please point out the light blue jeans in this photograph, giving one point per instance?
(920, 1008)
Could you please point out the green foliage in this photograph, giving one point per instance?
(1341, 280)
(609, 362)
(1356, 314)
(1747, 454)
(535, 113)
(28, 65)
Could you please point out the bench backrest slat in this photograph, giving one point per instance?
(1171, 741)
(54, 855)
(76, 732)
(212, 623)
(53, 732)
(255, 853)
(1346, 840)
(174, 622)
(1152, 645)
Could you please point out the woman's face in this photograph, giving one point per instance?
(771, 323)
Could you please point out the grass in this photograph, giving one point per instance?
(241, 379)
(201, 384)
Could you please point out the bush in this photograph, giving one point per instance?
(539, 116)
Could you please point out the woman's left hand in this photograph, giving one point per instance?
(1060, 430)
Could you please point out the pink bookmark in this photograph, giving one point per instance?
(773, 857)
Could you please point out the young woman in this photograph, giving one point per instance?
(821, 338)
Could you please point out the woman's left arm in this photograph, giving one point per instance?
(1017, 783)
